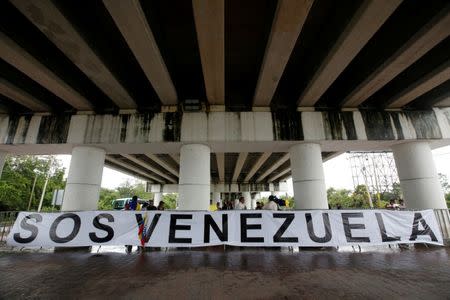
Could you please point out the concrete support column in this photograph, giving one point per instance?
(248, 199)
(418, 176)
(308, 177)
(157, 197)
(2, 162)
(217, 198)
(255, 199)
(84, 179)
(194, 184)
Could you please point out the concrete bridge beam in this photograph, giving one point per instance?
(195, 183)
(308, 177)
(418, 176)
(84, 179)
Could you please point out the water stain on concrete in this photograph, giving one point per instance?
(287, 126)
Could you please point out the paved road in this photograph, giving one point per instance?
(237, 274)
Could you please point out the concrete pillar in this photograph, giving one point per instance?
(255, 199)
(194, 184)
(2, 162)
(84, 180)
(418, 176)
(217, 198)
(248, 199)
(308, 177)
(157, 197)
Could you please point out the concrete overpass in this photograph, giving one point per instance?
(210, 94)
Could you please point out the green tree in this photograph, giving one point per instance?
(18, 177)
(290, 203)
(339, 198)
(170, 201)
(445, 187)
(127, 189)
(444, 183)
(107, 196)
(447, 199)
(360, 197)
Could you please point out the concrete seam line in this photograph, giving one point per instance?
(418, 178)
(306, 180)
(79, 183)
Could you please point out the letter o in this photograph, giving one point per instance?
(76, 228)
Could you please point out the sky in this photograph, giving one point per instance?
(337, 171)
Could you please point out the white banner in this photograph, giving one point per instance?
(239, 228)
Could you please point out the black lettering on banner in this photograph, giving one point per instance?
(32, 228)
(426, 229)
(384, 236)
(245, 227)
(348, 227)
(110, 232)
(277, 238)
(326, 224)
(76, 228)
(210, 223)
(174, 227)
(150, 230)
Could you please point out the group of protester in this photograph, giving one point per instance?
(134, 205)
(239, 204)
(393, 205)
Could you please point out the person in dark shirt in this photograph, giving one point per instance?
(151, 206)
(258, 205)
(133, 203)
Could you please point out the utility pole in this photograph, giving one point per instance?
(45, 184)
(32, 192)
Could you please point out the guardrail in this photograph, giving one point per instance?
(443, 219)
(7, 219)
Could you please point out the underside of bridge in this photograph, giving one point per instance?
(249, 79)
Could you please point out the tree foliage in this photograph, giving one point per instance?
(359, 198)
(107, 196)
(128, 189)
(17, 181)
(445, 187)
(170, 201)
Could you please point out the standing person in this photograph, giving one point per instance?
(240, 205)
(150, 205)
(218, 206)
(161, 205)
(132, 205)
(272, 204)
(259, 205)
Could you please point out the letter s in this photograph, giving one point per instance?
(32, 228)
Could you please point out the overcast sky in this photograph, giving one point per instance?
(337, 171)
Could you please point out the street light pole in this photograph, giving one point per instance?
(45, 184)
(32, 192)
(43, 193)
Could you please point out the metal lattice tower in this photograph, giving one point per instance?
(376, 170)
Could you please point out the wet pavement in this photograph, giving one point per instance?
(237, 274)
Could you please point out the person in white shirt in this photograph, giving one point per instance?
(240, 205)
(271, 205)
